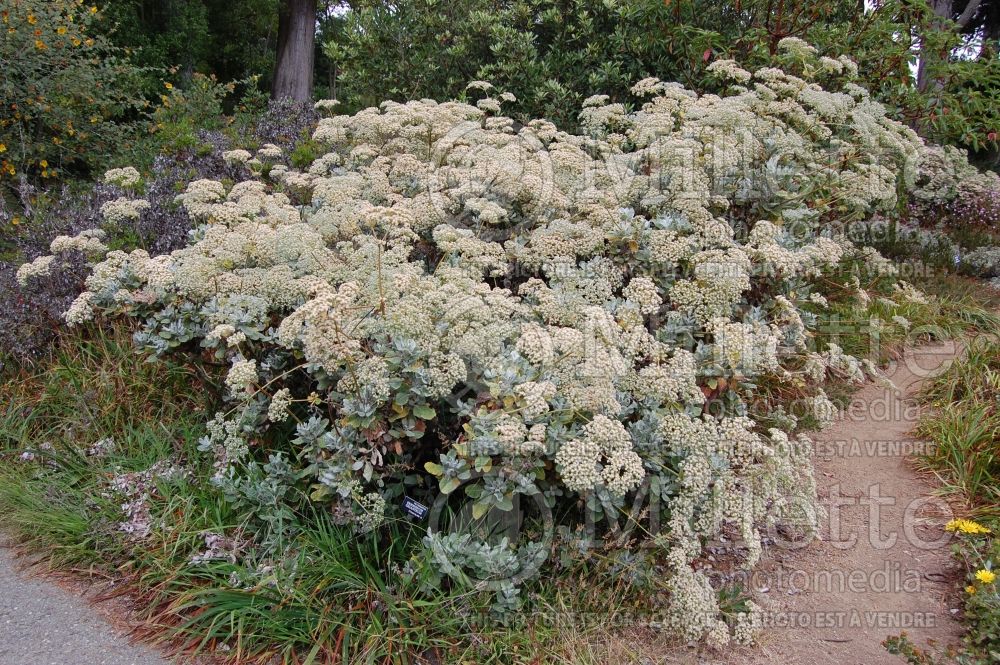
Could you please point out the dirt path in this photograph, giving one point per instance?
(882, 564)
(44, 624)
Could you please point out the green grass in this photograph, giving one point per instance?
(963, 421)
(965, 426)
(333, 597)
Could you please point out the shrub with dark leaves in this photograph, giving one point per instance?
(284, 123)
(30, 317)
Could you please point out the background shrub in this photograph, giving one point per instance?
(66, 92)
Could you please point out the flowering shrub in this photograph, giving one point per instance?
(30, 318)
(949, 220)
(64, 89)
(446, 303)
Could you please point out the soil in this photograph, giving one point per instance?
(882, 564)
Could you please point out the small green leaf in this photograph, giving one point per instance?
(479, 509)
(424, 412)
(434, 469)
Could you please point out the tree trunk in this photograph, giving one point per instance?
(293, 71)
(943, 9)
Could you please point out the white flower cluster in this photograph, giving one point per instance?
(269, 151)
(277, 410)
(238, 156)
(127, 177)
(88, 242)
(123, 210)
(242, 376)
(326, 105)
(602, 456)
(40, 267)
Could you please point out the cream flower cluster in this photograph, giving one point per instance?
(87, 242)
(127, 177)
(123, 210)
(238, 156)
(603, 455)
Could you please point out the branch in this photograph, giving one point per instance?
(970, 11)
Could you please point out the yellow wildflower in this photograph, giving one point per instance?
(168, 86)
(965, 526)
(40, 45)
(31, 19)
(970, 589)
(44, 164)
(986, 576)
(93, 10)
(76, 41)
(3, 148)
(61, 30)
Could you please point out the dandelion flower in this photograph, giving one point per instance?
(986, 576)
(965, 526)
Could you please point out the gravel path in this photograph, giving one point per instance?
(43, 624)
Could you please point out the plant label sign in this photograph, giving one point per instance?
(414, 508)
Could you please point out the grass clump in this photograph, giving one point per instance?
(964, 426)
